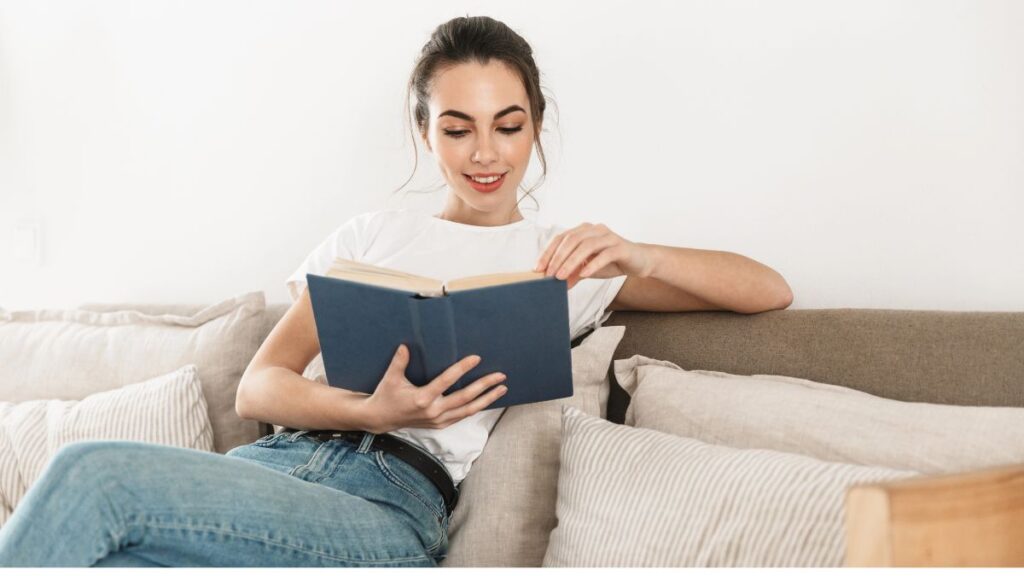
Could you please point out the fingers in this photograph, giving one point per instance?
(569, 242)
(542, 262)
(581, 255)
(600, 260)
(591, 266)
(576, 244)
(456, 399)
(473, 407)
(450, 376)
(399, 362)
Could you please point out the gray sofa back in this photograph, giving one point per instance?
(966, 358)
(942, 357)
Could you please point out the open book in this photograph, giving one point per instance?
(517, 322)
(367, 274)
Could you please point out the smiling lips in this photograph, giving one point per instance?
(486, 182)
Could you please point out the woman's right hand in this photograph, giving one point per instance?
(398, 403)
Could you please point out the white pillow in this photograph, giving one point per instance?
(69, 354)
(824, 421)
(641, 498)
(168, 409)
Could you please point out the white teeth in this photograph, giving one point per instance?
(487, 180)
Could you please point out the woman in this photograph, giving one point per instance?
(382, 493)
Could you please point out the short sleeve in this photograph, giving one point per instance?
(345, 242)
(588, 303)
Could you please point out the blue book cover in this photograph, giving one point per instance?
(520, 329)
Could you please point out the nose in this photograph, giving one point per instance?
(484, 153)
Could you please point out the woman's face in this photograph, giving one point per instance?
(480, 127)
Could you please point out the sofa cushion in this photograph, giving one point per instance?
(169, 409)
(642, 498)
(69, 354)
(507, 502)
(820, 420)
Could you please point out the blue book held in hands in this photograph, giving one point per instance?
(518, 323)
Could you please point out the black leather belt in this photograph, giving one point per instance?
(408, 453)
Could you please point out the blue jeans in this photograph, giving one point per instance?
(284, 500)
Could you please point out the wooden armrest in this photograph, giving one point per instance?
(970, 519)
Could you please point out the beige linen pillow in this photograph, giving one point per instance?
(642, 498)
(168, 409)
(69, 354)
(507, 502)
(821, 420)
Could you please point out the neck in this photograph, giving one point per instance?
(457, 211)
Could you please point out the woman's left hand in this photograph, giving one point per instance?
(593, 251)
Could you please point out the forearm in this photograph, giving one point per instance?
(279, 396)
(726, 279)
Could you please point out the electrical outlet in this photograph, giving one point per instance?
(26, 241)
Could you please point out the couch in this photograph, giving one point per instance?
(940, 357)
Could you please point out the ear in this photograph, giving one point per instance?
(426, 142)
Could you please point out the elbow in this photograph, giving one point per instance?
(242, 394)
(240, 407)
(780, 300)
(782, 294)
(785, 299)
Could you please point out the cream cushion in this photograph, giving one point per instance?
(821, 420)
(506, 506)
(169, 409)
(642, 498)
(70, 354)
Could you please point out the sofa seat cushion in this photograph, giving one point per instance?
(169, 409)
(631, 497)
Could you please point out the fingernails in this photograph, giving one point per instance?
(502, 389)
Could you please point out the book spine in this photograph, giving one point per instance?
(437, 327)
(416, 371)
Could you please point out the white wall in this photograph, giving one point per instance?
(871, 152)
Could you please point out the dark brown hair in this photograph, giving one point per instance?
(475, 39)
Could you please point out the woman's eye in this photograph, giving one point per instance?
(461, 133)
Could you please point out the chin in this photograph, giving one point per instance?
(484, 202)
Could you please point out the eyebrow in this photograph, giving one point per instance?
(464, 116)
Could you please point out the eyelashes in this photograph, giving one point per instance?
(460, 133)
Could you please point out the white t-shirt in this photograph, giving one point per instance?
(421, 244)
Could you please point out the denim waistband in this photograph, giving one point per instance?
(368, 436)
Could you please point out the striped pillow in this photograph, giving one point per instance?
(520, 466)
(642, 498)
(168, 409)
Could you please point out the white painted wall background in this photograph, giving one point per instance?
(871, 151)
